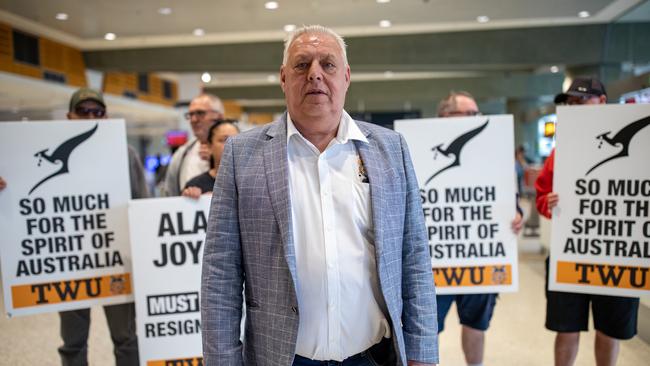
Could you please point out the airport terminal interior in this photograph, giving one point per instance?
(150, 58)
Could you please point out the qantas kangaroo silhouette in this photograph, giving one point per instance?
(61, 154)
(455, 148)
(623, 138)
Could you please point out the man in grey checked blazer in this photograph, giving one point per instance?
(251, 240)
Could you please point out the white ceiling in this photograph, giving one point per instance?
(139, 23)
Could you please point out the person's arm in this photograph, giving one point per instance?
(419, 314)
(136, 174)
(546, 199)
(222, 274)
(518, 222)
(171, 188)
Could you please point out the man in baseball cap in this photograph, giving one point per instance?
(87, 103)
(586, 91)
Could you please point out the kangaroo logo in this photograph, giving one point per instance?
(455, 148)
(622, 138)
(61, 154)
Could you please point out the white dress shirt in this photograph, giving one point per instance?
(192, 165)
(342, 310)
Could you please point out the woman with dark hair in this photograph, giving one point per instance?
(218, 134)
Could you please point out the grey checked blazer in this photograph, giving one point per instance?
(249, 241)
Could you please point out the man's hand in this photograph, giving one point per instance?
(204, 151)
(3, 184)
(192, 192)
(517, 223)
(552, 200)
(415, 363)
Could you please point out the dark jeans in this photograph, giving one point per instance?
(121, 323)
(381, 354)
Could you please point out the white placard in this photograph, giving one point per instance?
(167, 257)
(600, 242)
(63, 218)
(466, 171)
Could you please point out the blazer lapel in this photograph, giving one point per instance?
(277, 180)
(376, 168)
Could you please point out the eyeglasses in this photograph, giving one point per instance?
(198, 113)
(87, 112)
(464, 113)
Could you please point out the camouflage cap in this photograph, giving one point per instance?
(83, 95)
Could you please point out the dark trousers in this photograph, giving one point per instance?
(121, 323)
(381, 354)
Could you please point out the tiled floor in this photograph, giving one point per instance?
(516, 337)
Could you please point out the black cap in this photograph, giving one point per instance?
(561, 98)
(586, 87)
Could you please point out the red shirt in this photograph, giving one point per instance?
(544, 185)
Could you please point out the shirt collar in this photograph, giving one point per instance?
(348, 130)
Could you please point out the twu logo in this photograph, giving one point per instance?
(454, 149)
(61, 155)
(621, 138)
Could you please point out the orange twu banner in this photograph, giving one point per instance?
(606, 275)
(70, 290)
(191, 361)
(488, 275)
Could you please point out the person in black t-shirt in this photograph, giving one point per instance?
(218, 134)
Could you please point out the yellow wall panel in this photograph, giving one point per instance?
(6, 48)
(27, 70)
(233, 109)
(52, 55)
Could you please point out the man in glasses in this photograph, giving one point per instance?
(614, 317)
(474, 310)
(190, 160)
(87, 103)
(458, 104)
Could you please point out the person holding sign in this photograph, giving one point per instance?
(567, 313)
(474, 310)
(89, 104)
(218, 134)
(319, 216)
(191, 159)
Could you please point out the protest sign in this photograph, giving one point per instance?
(600, 241)
(466, 172)
(63, 218)
(168, 239)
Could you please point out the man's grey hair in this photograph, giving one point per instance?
(449, 104)
(313, 29)
(215, 103)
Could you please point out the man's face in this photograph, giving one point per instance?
(88, 109)
(465, 106)
(201, 116)
(315, 78)
(586, 99)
